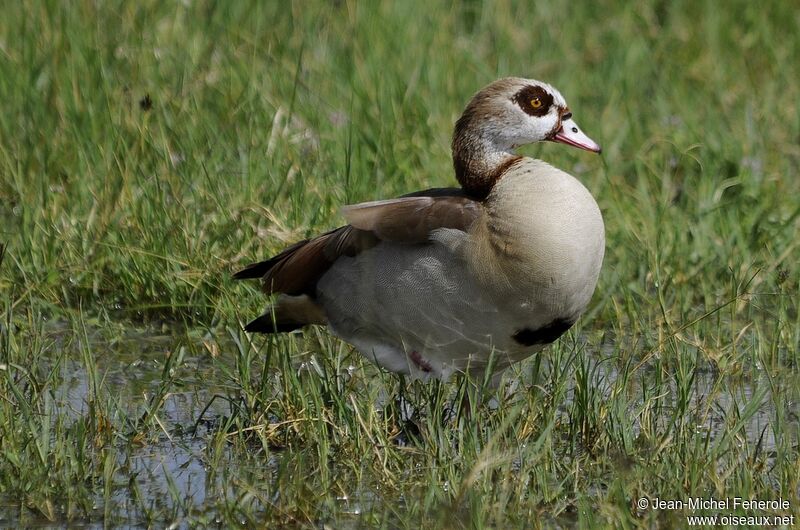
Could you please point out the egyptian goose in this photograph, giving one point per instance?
(443, 280)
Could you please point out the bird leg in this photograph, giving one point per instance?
(420, 361)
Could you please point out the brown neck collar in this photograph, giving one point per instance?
(478, 162)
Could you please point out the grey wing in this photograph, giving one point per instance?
(406, 220)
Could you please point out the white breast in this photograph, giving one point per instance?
(543, 239)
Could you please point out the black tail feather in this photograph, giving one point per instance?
(256, 270)
(266, 323)
(260, 269)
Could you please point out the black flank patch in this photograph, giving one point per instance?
(544, 335)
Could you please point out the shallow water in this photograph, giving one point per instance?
(173, 475)
(169, 471)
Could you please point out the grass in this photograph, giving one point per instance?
(149, 149)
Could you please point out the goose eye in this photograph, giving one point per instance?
(536, 103)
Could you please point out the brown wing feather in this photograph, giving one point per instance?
(295, 271)
(436, 192)
(410, 219)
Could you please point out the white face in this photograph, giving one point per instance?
(532, 111)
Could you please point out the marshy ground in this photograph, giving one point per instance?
(149, 149)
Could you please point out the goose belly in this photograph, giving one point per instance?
(420, 310)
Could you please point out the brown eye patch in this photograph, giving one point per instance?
(534, 100)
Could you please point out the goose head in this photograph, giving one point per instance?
(502, 116)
